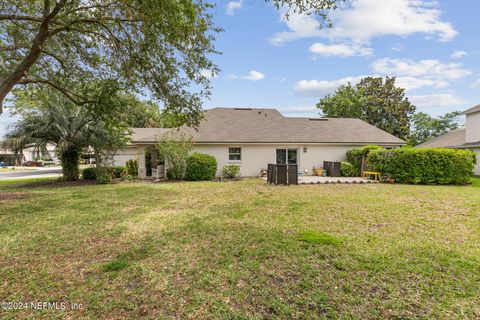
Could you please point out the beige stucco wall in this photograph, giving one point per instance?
(477, 167)
(473, 127)
(256, 157)
(123, 155)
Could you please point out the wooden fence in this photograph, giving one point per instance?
(285, 174)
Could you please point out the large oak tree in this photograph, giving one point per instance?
(161, 45)
(375, 100)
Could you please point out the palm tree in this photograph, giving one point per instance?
(61, 123)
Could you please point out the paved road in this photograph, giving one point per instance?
(40, 173)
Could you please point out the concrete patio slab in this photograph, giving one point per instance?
(325, 180)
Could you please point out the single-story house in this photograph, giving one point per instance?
(467, 137)
(252, 138)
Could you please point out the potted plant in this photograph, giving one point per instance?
(389, 178)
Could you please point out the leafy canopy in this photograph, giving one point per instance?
(426, 127)
(377, 101)
(161, 46)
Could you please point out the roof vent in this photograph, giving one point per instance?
(318, 119)
(244, 109)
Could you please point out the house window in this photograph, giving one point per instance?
(235, 154)
(286, 156)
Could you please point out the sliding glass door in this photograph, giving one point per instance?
(287, 156)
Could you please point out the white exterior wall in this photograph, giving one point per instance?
(473, 127)
(123, 155)
(477, 167)
(256, 157)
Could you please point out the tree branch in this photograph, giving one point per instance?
(22, 68)
(14, 17)
(72, 96)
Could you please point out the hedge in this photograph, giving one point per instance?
(119, 171)
(89, 173)
(348, 170)
(424, 166)
(354, 156)
(201, 166)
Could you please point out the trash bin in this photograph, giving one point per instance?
(333, 168)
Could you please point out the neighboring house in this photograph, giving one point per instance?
(9, 158)
(31, 153)
(467, 137)
(252, 138)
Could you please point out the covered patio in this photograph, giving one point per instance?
(150, 163)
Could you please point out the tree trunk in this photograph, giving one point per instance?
(20, 71)
(70, 159)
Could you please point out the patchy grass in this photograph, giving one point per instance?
(318, 238)
(476, 181)
(204, 250)
(26, 181)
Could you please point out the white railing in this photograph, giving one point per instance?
(158, 172)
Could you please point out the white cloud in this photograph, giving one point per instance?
(431, 69)
(319, 88)
(366, 19)
(322, 87)
(458, 54)
(437, 100)
(254, 76)
(476, 84)
(342, 50)
(232, 6)
(412, 83)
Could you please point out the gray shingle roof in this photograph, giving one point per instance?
(241, 125)
(147, 134)
(472, 110)
(450, 139)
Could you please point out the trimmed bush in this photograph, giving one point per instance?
(354, 156)
(424, 166)
(105, 178)
(201, 166)
(132, 168)
(348, 170)
(231, 171)
(119, 171)
(89, 173)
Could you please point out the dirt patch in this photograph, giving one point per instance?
(12, 195)
(53, 184)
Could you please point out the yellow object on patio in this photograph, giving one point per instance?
(319, 172)
(375, 174)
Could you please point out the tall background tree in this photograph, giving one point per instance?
(426, 127)
(162, 45)
(375, 100)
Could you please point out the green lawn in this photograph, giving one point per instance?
(242, 250)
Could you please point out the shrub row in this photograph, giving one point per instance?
(424, 166)
(114, 172)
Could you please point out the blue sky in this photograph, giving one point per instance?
(431, 46)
